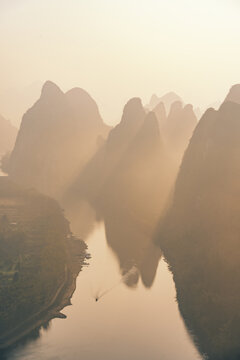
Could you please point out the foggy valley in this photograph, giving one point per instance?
(119, 181)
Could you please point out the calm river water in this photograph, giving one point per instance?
(128, 322)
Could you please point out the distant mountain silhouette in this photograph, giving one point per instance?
(91, 180)
(179, 126)
(131, 169)
(234, 94)
(122, 136)
(176, 128)
(167, 99)
(200, 232)
(8, 134)
(57, 137)
(141, 176)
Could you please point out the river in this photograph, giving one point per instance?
(127, 322)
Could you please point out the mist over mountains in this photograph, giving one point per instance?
(8, 134)
(158, 174)
(131, 170)
(177, 127)
(14, 100)
(65, 150)
(119, 180)
(58, 135)
(64, 147)
(63, 144)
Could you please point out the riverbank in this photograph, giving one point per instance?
(60, 299)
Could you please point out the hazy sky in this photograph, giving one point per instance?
(117, 49)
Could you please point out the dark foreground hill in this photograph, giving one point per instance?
(38, 269)
(201, 230)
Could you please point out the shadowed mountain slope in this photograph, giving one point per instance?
(200, 232)
(131, 169)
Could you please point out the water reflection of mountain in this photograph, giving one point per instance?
(208, 295)
(132, 243)
(129, 238)
(208, 299)
(39, 261)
